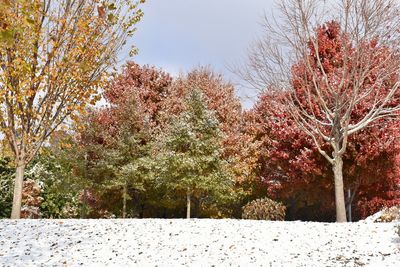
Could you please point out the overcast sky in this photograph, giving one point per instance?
(178, 35)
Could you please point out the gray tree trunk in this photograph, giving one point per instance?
(188, 204)
(350, 200)
(339, 189)
(17, 198)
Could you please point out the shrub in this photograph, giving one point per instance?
(6, 186)
(391, 214)
(31, 199)
(264, 209)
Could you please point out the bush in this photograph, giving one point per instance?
(31, 199)
(6, 187)
(391, 214)
(264, 209)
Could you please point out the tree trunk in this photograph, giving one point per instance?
(124, 197)
(188, 204)
(196, 204)
(84, 205)
(292, 209)
(17, 198)
(339, 190)
(349, 200)
(141, 213)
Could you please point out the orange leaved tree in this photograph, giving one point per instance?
(54, 55)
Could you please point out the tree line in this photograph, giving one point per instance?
(184, 147)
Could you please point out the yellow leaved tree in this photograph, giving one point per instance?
(54, 56)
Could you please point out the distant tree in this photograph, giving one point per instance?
(344, 74)
(157, 98)
(117, 138)
(52, 170)
(145, 85)
(54, 55)
(189, 157)
(31, 199)
(126, 149)
(221, 98)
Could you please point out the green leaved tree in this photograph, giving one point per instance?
(189, 154)
(128, 159)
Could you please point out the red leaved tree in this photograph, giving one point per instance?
(145, 85)
(295, 172)
(344, 74)
(219, 94)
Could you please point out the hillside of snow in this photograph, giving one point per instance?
(205, 242)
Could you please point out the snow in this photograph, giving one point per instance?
(196, 242)
(372, 218)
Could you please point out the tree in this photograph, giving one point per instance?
(344, 71)
(126, 149)
(293, 170)
(146, 85)
(221, 98)
(117, 138)
(54, 55)
(190, 155)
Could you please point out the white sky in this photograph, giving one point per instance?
(178, 35)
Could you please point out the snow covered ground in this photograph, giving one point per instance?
(151, 242)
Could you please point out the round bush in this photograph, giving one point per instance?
(264, 209)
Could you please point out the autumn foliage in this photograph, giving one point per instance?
(268, 155)
(322, 137)
(116, 156)
(31, 199)
(264, 209)
(297, 173)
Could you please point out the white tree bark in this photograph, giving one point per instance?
(17, 198)
(188, 202)
(339, 190)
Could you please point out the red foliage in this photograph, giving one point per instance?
(146, 86)
(136, 98)
(87, 197)
(220, 95)
(295, 171)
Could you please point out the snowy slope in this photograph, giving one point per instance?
(196, 243)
